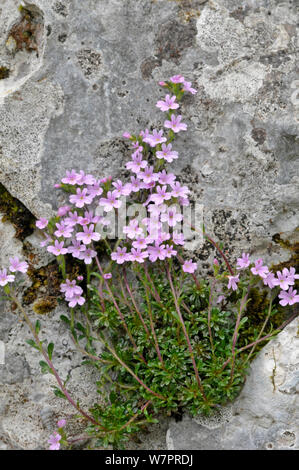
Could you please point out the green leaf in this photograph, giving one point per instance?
(32, 343)
(50, 350)
(37, 326)
(45, 368)
(59, 393)
(65, 319)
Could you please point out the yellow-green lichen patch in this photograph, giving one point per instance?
(44, 305)
(45, 285)
(16, 213)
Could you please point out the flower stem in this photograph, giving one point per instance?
(185, 333)
(51, 366)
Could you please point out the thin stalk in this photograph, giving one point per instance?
(119, 311)
(289, 320)
(153, 328)
(185, 333)
(209, 319)
(197, 283)
(135, 416)
(134, 302)
(156, 294)
(235, 336)
(221, 253)
(262, 330)
(51, 366)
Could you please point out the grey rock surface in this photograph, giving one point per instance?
(266, 414)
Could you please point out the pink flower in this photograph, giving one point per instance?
(166, 178)
(89, 218)
(137, 164)
(61, 423)
(72, 219)
(148, 175)
(269, 280)
(160, 195)
(135, 185)
(169, 251)
(283, 279)
(243, 262)
(166, 153)
(138, 255)
(156, 252)
(85, 179)
(107, 276)
(76, 248)
(215, 262)
(70, 288)
(95, 189)
(291, 274)
(121, 189)
(16, 265)
(189, 266)
(71, 178)
(232, 282)
(127, 135)
(63, 210)
(81, 198)
(110, 202)
(76, 299)
(140, 243)
(178, 190)
(57, 249)
(220, 299)
(54, 441)
(187, 87)
(88, 235)
(87, 255)
(169, 103)
(5, 278)
(171, 217)
(259, 269)
(177, 79)
(120, 255)
(175, 124)
(132, 230)
(178, 238)
(288, 298)
(41, 223)
(63, 230)
(155, 138)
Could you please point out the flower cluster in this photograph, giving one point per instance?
(55, 438)
(156, 235)
(74, 228)
(285, 279)
(15, 265)
(72, 293)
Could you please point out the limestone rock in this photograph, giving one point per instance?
(265, 416)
